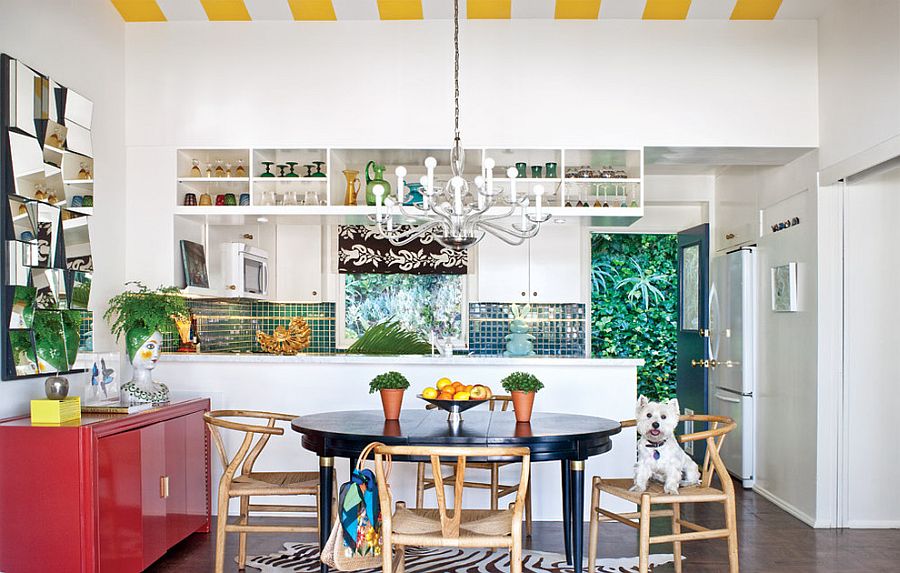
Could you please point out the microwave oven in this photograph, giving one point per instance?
(245, 270)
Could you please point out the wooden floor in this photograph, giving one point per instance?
(770, 540)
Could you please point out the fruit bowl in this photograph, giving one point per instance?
(455, 408)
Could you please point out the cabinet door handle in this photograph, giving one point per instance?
(729, 236)
(524, 293)
(315, 293)
(164, 487)
(534, 293)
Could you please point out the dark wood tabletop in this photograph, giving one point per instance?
(549, 436)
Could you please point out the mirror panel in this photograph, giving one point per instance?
(27, 162)
(79, 109)
(22, 314)
(81, 290)
(78, 140)
(23, 354)
(21, 220)
(20, 256)
(56, 92)
(50, 287)
(23, 87)
(46, 222)
(55, 189)
(77, 240)
(55, 137)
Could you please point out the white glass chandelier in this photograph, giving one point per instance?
(457, 218)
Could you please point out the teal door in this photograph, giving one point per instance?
(693, 327)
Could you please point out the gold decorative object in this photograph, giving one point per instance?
(290, 340)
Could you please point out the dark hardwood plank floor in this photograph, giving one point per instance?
(771, 540)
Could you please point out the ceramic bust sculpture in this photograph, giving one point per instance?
(143, 350)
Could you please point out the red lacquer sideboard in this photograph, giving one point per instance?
(109, 494)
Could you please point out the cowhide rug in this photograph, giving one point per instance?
(304, 558)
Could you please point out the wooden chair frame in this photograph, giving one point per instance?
(498, 490)
(719, 427)
(244, 459)
(451, 519)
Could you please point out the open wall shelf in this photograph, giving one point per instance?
(572, 192)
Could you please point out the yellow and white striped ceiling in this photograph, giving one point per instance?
(245, 10)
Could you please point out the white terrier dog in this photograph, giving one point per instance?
(659, 455)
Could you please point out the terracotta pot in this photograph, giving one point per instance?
(391, 400)
(523, 402)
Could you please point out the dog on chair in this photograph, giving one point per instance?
(660, 457)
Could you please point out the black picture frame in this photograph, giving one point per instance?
(193, 261)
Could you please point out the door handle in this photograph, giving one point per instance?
(164, 486)
(727, 399)
(705, 363)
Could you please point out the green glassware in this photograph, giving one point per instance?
(536, 171)
(282, 167)
(551, 169)
(268, 172)
(292, 173)
(318, 172)
(378, 179)
(230, 200)
(522, 169)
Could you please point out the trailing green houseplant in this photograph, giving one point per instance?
(391, 385)
(522, 386)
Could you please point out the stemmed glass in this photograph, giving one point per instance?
(195, 168)
(309, 168)
(318, 172)
(292, 164)
(220, 172)
(281, 167)
(268, 172)
(228, 169)
(240, 171)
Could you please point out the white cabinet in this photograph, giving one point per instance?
(298, 260)
(737, 214)
(555, 264)
(546, 269)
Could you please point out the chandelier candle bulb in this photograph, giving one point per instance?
(401, 173)
(512, 173)
(430, 164)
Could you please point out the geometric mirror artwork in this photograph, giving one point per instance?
(50, 288)
(81, 290)
(23, 354)
(22, 314)
(46, 222)
(46, 257)
(77, 239)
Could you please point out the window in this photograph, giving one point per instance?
(424, 303)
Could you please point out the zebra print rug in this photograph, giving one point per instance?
(304, 558)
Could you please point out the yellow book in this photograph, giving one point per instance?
(55, 411)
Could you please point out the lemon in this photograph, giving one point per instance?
(443, 382)
(430, 393)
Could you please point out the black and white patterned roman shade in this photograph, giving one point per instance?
(362, 250)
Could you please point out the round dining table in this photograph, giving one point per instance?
(567, 438)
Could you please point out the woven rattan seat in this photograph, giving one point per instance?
(473, 522)
(276, 483)
(698, 494)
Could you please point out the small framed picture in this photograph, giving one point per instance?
(103, 369)
(784, 288)
(193, 257)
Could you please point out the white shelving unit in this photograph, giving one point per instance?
(562, 194)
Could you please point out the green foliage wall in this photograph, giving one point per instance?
(634, 305)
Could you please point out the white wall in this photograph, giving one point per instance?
(80, 44)
(787, 368)
(859, 78)
(871, 315)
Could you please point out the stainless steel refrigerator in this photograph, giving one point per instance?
(732, 350)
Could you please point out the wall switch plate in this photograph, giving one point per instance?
(689, 429)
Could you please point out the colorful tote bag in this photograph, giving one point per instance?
(355, 540)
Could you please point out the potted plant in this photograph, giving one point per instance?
(143, 315)
(392, 385)
(522, 386)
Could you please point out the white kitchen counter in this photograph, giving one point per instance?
(310, 383)
(525, 362)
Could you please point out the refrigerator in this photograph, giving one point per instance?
(732, 350)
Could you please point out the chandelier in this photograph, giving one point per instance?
(456, 213)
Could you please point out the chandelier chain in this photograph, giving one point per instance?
(456, 70)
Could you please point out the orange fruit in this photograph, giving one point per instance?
(445, 396)
(430, 393)
(443, 382)
(463, 395)
(469, 388)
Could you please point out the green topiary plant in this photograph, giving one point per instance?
(388, 381)
(521, 382)
(142, 311)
